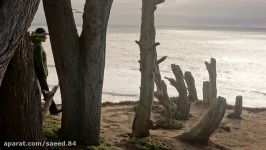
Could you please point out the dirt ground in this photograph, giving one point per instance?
(246, 134)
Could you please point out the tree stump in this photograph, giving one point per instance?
(211, 67)
(238, 108)
(207, 92)
(182, 102)
(211, 120)
(192, 96)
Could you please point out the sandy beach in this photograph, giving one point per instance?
(246, 134)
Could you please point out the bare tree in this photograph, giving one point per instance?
(15, 18)
(147, 45)
(80, 62)
(20, 109)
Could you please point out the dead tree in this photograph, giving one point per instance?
(80, 63)
(210, 121)
(183, 105)
(48, 97)
(161, 93)
(192, 91)
(20, 109)
(237, 109)
(211, 67)
(147, 45)
(15, 18)
(207, 92)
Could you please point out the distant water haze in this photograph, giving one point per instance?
(240, 55)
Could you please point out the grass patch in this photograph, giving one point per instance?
(103, 146)
(173, 124)
(51, 128)
(149, 143)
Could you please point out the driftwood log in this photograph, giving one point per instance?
(207, 92)
(238, 108)
(211, 120)
(192, 91)
(211, 67)
(182, 103)
(48, 97)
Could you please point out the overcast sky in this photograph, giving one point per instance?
(229, 13)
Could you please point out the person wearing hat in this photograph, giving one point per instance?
(40, 63)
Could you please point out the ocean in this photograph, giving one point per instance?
(240, 55)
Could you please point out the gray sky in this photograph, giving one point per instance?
(233, 13)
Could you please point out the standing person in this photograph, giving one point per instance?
(40, 63)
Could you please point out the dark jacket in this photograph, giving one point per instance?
(39, 57)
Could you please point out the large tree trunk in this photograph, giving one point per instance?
(147, 45)
(66, 50)
(20, 109)
(80, 65)
(208, 124)
(93, 39)
(15, 18)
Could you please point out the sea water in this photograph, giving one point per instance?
(240, 55)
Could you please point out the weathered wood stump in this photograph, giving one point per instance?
(192, 91)
(183, 105)
(207, 92)
(48, 97)
(238, 108)
(211, 67)
(211, 120)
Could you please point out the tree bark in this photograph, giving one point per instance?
(238, 108)
(192, 96)
(15, 18)
(147, 45)
(211, 67)
(66, 51)
(182, 102)
(80, 65)
(207, 93)
(211, 120)
(93, 39)
(20, 109)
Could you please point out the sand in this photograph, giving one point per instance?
(246, 134)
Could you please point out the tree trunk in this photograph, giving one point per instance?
(211, 67)
(66, 51)
(238, 108)
(192, 96)
(206, 89)
(211, 120)
(20, 109)
(15, 18)
(93, 39)
(80, 65)
(182, 102)
(147, 45)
